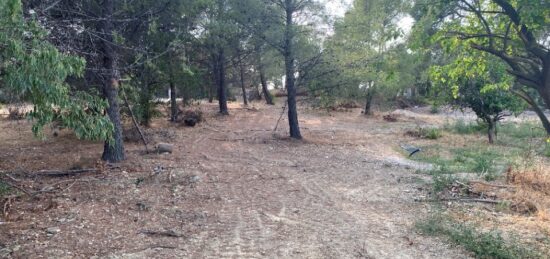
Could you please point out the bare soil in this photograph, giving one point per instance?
(233, 188)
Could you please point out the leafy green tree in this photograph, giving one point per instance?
(514, 31)
(36, 71)
(367, 45)
(477, 81)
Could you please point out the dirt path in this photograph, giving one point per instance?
(233, 189)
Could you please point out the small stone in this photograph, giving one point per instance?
(165, 148)
(53, 230)
(541, 237)
(194, 179)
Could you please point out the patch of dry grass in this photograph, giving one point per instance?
(532, 186)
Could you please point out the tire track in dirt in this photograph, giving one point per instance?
(263, 196)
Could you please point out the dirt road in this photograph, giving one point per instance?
(235, 189)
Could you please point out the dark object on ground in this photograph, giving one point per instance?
(65, 173)
(254, 95)
(411, 149)
(15, 113)
(165, 148)
(190, 122)
(164, 233)
(390, 118)
(192, 117)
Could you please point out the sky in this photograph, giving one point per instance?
(338, 8)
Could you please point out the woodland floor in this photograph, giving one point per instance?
(233, 188)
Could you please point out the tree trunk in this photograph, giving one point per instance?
(173, 103)
(113, 151)
(222, 95)
(243, 86)
(491, 130)
(145, 101)
(368, 104)
(289, 70)
(211, 90)
(265, 90)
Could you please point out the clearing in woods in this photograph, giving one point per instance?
(232, 189)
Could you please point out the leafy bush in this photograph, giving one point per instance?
(433, 133)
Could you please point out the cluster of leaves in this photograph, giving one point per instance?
(36, 71)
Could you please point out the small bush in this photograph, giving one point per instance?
(192, 117)
(434, 109)
(433, 133)
(426, 133)
(4, 189)
(482, 244)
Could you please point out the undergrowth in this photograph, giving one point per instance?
(482, 244)
(515, 141)
(4, 189)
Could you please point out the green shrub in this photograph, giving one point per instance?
(4, 189)
(433, 133)
(426, 133)
(481, 244)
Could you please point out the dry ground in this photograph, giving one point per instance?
(232, 189)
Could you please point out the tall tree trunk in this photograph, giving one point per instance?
(289, 70)
(112, 151)
(145, 98)
(491, 130)
(263, 81)
(211, 89)
(173, 103)
(222, 95)
(243, 86)
(368, 104)
(239, 64)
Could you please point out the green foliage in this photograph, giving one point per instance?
(365, 55)
(426, 133)
(546, 151)
(482, 244)
(4, 189)
(35, 71)
(477, 82)
(441, 179)
(491, 45)
(433, 133)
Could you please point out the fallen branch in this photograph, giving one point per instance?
(61, 173)
(166, 233)
(135, 121)
(222, 139)
(492, 185)
(461, 200)
(280, 117)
